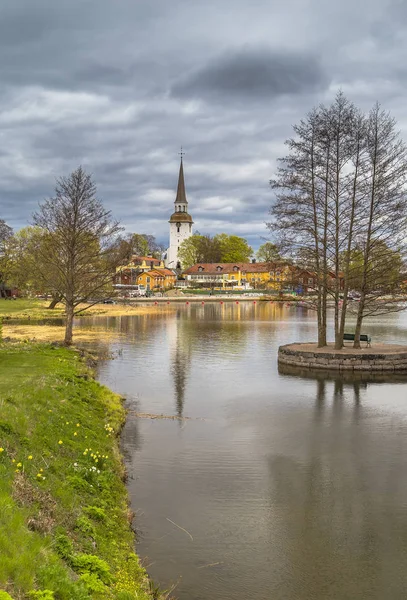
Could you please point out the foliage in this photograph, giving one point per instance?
(5, 234)
(220, 248)
(268, 252)
(5, 596)
(233, 248)
(41, 595)
(54, 418)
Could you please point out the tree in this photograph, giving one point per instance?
(268, 252)
(78, 246)
(139, 244)
(6, 233)
(189, 251)
(341, 189)
(383, 219)
(233, 248)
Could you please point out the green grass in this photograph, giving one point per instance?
(34, 308)
(64, 520)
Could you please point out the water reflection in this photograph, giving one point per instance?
(293, 485)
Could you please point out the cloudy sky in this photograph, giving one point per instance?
(119, 85)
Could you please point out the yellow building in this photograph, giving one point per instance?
(227, 275)
(157, 279)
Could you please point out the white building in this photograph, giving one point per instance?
(180, 223)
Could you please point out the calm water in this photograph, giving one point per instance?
(291, 487)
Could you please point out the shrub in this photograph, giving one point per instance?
(42, 595)
(63, 546)
(5, 596)
(96, 513)
(85, 526)
(89, 563)
(92, 583)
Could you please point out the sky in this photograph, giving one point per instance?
(119, 86)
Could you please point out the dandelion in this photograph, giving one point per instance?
(17, 470)
(78, 424)
(41, 470)
(30, 457)
(1, 450)
(19, 465)
(39, 475)
(13, 460)
(75, 433)
(67, 423)
(60, 442)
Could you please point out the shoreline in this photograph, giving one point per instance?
(68, 521)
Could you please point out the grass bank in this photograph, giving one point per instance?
(64, 520)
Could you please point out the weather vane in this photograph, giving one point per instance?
(181, 153)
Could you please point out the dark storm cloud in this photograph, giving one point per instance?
(253, 73)
(120, 86)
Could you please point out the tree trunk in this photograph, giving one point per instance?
(69, 325)
(359, 321)
(55, 300)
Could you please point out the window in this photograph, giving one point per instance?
(200, 269)
(148, 279)
(219, 268)
(232, 276)
(235, 268)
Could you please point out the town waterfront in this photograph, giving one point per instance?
(266, 485)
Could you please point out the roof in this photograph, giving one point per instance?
(181, 217)
(181, 195)
(159, 273)
(148, 259)
(212, 268)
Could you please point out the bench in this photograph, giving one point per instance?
(350, 337)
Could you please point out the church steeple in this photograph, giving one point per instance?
(180, 222)
(181, 195)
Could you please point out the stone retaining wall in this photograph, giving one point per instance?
(346, 362)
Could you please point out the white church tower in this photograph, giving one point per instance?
(180, 223)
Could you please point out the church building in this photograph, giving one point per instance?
(180, 223)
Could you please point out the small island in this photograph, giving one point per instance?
(380, 357)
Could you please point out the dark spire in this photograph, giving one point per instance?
(181, 195)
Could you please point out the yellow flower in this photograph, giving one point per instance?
(30, 457)
(13, 460)
(41, 470)
(49, 410)
(1, 450)
(39, 475)
(17, 470)
(75, 433)
(78, 424)
(19, 465)
(67, 423)
(60, 442)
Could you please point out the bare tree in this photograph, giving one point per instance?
(341, 189)
(78, 244)
(383, 218)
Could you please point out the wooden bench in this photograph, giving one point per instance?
(350, 337)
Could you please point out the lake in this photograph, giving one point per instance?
(275, 485)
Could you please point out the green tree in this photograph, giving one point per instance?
(233, 248)
(5, 234)
(268, 252)
(139, 244)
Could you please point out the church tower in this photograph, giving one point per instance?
(180, 223)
